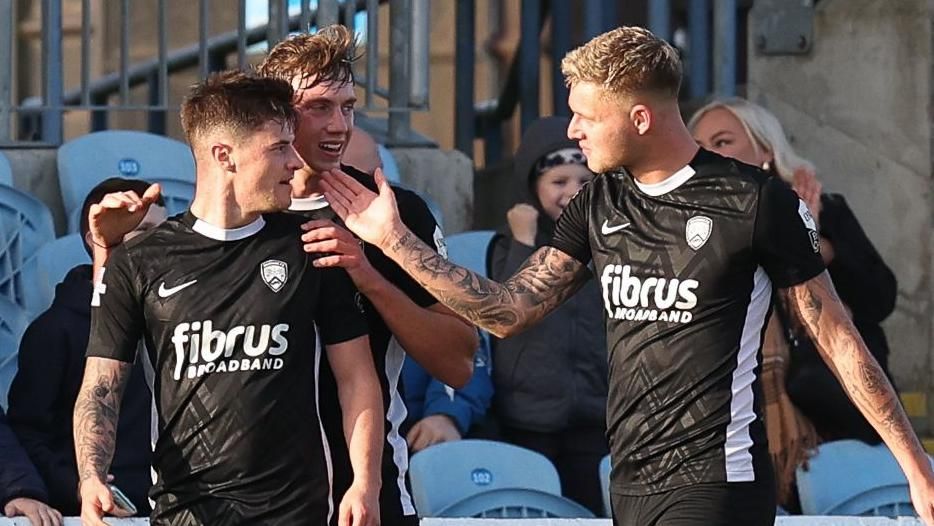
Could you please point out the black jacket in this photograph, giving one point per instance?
(42, 399)
(18, 477)
(553, 376)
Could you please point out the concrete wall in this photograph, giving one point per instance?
(859, 106)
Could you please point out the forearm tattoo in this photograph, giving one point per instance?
(95, 420)
(822, 314)
(546, 279)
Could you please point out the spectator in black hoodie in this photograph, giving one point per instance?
(550, 382)
(51, 366)
(21, 490)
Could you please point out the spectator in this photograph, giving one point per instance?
(749, 133)
(51, 365)
(439, 413)
(551, 381)
(21, 489)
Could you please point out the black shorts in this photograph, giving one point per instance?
(709, 504)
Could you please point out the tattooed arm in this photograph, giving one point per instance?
(546, 279)
(95, 428)
(542, 283)
(817, 306)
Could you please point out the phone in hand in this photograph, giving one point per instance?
(121, 500)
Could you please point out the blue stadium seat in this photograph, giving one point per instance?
(86, 161)
(515, 503)
(469, 249)
(25, 225)
(6, 173)
(13, 322)
(605, 468)
(176, 194)
(446, 473)
(849, 477)
(55, 259)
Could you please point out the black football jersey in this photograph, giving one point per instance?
(229, 320)
(687, 268)
(388, 354)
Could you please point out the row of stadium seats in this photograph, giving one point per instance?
(486, 479)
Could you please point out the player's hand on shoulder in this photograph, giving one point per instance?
(523, 223)
(38, 512)
(117, 214)
(431, 430)
(335, 246)
(360, 506)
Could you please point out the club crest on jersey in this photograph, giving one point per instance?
(274, 273)
(697, 231)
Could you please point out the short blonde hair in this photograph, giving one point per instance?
(626, 60)
(764, 130)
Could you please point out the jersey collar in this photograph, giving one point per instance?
(227, 234)
(663, 187)
(304, 204)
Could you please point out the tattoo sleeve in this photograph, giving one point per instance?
(96, 412)
(545, 280)
(819, 310)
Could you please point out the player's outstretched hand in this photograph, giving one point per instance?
(922, 496)
(97, 500)
(337, 247)
(118, 214)
(38, 513)
(360, 507)
(373, 217)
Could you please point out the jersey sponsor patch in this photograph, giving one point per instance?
(274, 273)
(200, 349)
(810, 224)
(631, 298)
(697, 231)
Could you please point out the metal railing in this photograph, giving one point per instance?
(521, 87)
(39, 117)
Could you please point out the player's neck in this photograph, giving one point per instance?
(669, 153)
(306, 183)
(221, 210)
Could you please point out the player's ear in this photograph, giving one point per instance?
(641, 117)
(221, 153)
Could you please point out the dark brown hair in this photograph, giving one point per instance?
(238, 102)
(627, 61)
(316, 58)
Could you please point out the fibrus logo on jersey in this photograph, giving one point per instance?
(210, 351)
(697, 231)
(810, 224)
(274, 273)
(631, 298)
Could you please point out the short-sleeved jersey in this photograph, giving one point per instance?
(388, 355)
(228, 318)
(686, 268)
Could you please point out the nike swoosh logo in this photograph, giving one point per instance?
(165, 293)
(606, 229)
